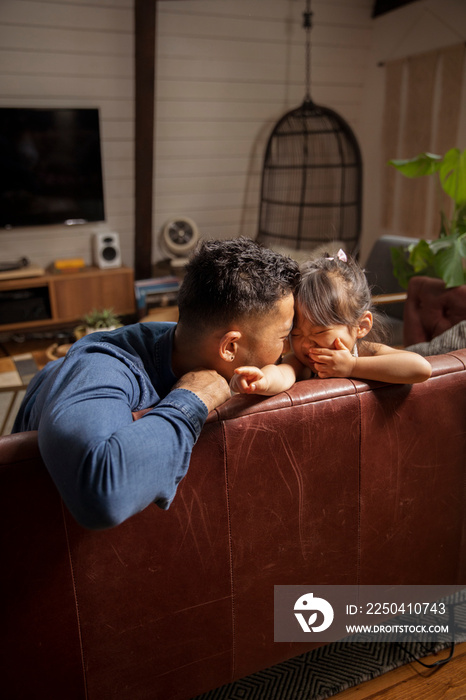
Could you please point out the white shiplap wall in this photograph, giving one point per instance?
(74, 53)
(226, 71)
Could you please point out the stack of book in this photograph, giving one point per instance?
(156, 292)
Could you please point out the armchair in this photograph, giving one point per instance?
(431, 309)
(379, 273)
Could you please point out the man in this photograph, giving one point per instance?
(235, 308)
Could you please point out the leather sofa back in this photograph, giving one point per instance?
(335, 481)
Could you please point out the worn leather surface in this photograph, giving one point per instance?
(335, 481)
(430, 309)
(39, 632)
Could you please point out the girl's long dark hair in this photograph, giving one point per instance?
(334, 292)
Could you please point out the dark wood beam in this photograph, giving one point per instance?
(145, 27)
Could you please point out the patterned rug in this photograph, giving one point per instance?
(323, 672)
(15, 374)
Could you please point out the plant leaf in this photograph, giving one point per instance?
(444, 242)
(448, 261)
(421, 257)
(462, 245)
(402, 268)
(461, 215)
(453, 175)
(423, 164)
(444, 224)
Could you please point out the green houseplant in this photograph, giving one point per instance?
(444, 257)
(97, 320)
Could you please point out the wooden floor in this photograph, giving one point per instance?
(414, 682)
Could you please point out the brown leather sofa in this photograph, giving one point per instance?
(333, 482)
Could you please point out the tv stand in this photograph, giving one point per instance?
(14, 273)
(54, 300)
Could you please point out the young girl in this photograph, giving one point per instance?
(333, 319)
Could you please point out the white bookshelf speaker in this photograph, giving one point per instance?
(106, 250)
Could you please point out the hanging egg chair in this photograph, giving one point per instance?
(311, 193)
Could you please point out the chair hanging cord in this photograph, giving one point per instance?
(307, 24)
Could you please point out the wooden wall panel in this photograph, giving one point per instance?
(226, 71)
(73, 53)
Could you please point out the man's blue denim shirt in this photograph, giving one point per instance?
(106, 466)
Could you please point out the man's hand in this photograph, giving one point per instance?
(249, 380)
(207, 384)
(338, 362)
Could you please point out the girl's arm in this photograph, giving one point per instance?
(270, 380)
(376, 361)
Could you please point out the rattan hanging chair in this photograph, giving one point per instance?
(311, 191)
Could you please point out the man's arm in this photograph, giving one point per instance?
(207, 384)
(106, 466)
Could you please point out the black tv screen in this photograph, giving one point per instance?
(51, 167)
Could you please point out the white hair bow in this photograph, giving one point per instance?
(341, 255)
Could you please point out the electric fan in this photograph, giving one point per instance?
(179, 237)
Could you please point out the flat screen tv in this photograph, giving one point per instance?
(50, 167)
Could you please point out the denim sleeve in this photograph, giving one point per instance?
(106, 466)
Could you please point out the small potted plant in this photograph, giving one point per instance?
(444, 257)
(98, 320)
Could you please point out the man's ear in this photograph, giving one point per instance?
(365, 324)
(229, 345)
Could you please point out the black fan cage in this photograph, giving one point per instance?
(311, 182)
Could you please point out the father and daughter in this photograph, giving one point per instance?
(336, 333)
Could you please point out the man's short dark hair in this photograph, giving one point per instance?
(228, 280)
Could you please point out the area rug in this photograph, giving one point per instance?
(323, 672)
(15, 374)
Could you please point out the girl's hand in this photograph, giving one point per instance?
(248, 380)
(337, 362)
